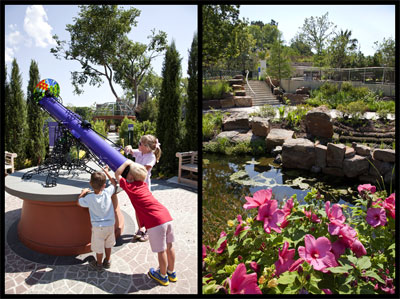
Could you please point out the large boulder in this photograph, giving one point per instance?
(227, 103)
(320, 155)
(260, 126)
(243, 101)
(361, 150)
(295, 99)
(380, 168)
(355, 166)
(335, 154)
(236, 121)
(211, 104)
(385, 155)
(318, 122)
(303, 90)
(349, 153)
(298, 153)
(277, 137)
(335, 171)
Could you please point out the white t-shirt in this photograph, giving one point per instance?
(100, 206)
(148, 159)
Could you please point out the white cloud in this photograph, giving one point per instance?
(14, 38)
(9, 54)
(36, 26)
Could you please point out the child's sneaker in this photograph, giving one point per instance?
(156, 275)
(172, 276)
(93, 265)
(106, 264)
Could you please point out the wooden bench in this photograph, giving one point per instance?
(188, 163)
(9, 161)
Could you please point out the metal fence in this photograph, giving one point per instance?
(371, 75)
(226, 74)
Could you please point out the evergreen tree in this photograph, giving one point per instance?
(168, 129)
(15, 111)
(6, 100)
(35, 141)
(191, 120)
(279, 61)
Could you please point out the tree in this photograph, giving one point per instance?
(386, 52)
(340, 49)
(264, 36)
(191, 117)
(279, 61)
(35, 141)
(218, 23)
(133, 61)
(15, 117)
(168, 120)
(95, 37)
(299, 45)
(316, 32)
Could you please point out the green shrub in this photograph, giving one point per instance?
(212, 124)
(315, 102)
(215, 89)
(265, 111)
(101, 127)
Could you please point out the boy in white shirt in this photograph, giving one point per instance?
(102, 217)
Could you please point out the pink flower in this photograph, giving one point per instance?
(376, 217)
(313, 217)
(358, 248)
(334, 214)
(317, 253)
(259, 198)
(338, 248)
(242, 283)
(254, 266)
(239, 227)
(204, 252)
(327, 291)
(296, 265)
(346, 233)
(271, 216)
(285, 259)
(287, 209)
(366, 188)
(390, 205)
(223, 244)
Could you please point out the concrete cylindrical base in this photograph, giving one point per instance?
(59, 228)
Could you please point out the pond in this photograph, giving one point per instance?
(228, 179)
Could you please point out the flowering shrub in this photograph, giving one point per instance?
(314, 248)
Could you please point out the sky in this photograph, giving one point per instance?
(368, 23)
(28, 36)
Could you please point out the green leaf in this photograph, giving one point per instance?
(220, 241)
(221, 271)
(352, 259)
(231, 249)
(374, 275)
(248, 240)
(343, 269)
(287, 278)
(364, 263)
(243, 233)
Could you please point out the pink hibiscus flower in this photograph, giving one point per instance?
(259, 198)
(376, 217)
(254, 266)
(334, 214)
(338, 248)
(317, 253)
(390, 205)
(271, 216)
(285, 259)
(287, 209)
(204, 252)
(358, 248)
(313, 217)
(222, 247)
(239, 227)
(366, 188)
(242, 283)
(346, 233)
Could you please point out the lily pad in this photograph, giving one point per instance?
(237, 175)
